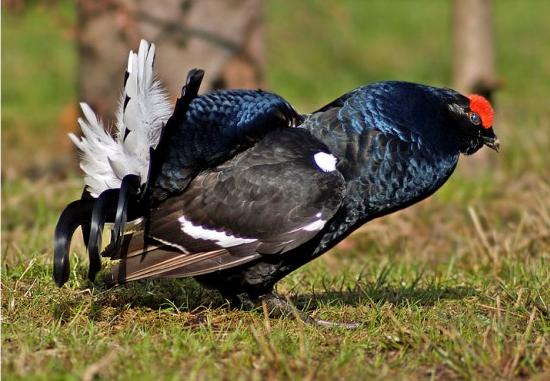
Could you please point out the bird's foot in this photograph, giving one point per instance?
(278, 307)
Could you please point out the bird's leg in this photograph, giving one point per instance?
(278, 307)
(242, 301)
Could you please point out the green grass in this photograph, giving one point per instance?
(457, 287)
(441, 305)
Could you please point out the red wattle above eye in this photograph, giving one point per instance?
(483, 108)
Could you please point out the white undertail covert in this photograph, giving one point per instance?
(144, 108)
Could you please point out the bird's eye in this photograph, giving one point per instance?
(475, 118)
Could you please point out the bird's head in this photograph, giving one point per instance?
(472, 125)
(439, 117)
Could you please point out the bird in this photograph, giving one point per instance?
(237, 189)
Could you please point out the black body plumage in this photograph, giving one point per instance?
(243, 190)
(388, 139)
(213, 128)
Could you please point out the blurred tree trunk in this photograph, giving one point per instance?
(222, 37)
(474, 59)
(473, 47)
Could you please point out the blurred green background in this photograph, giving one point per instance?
(316, 51)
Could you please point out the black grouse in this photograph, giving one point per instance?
(237, 189)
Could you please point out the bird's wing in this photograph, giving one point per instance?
(267, 200)
(210, 129)
(143, 109)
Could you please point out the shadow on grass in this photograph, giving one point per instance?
(367, 293)
(186, 295)
(419, 291)
(179, 294)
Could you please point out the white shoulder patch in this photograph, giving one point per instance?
(325, 161)
(218, 237)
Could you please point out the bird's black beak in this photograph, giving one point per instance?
(490, 139)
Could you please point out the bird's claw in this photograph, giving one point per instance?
(278, 307)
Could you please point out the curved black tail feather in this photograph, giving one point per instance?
(114, 205)
(103, 211)
(128, 189)
(85, 226)
(77, 213)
